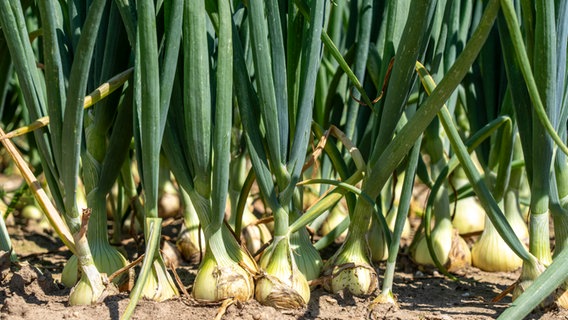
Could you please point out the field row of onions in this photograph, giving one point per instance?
(329, 112)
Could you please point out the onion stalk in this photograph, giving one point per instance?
(60, 147)
(199, 155)
(152, 92)
(387, 295)
(536, 143)
(191, 241)
(306, 256)
(285, 83)
(103, 150)
(359, 277)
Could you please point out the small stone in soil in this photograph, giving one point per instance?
(330, 300)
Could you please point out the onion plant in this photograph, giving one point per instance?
(108, 132)
(60, 145)
(213, 78)
(350, 267)
(450, 81)
(153, 86)
(197, 145)
(532, 71)
(447, 40)
(285, 75)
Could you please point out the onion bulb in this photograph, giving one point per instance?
(226, 270)
(376, 236)
(469, 215)
(90, 288)
(377, 241)
(159, 285)
(32, 212)
(490, 252)
(561, 296)
(82, 293)
(216, 282)
(169, 203)
(281, 284)
(107, 260)
(350, 268)
(254, 235)
(529, 272)
(450, 248)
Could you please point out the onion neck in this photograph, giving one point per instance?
(98, 231)
(539, 237)
(87, 265)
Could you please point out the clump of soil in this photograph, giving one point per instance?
(30, 289)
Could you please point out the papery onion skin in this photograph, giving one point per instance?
(271, 291)
(214, 283)
(561, 297)
(159, 285)
(281, 284)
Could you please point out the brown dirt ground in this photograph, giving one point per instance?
(31, 290)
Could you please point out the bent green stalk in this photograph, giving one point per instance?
(487, 200)
(60, 151)
(525, 65)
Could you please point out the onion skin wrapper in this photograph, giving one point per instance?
(347, 276)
